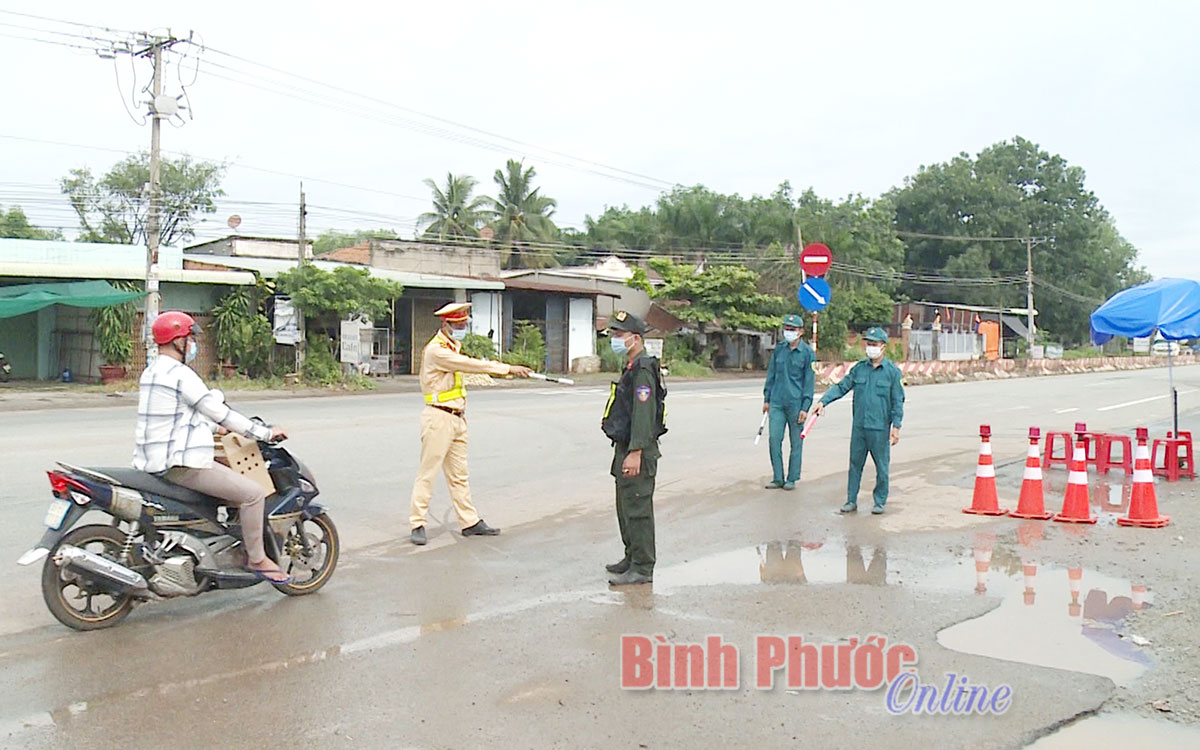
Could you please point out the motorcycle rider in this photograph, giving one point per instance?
(177, 415)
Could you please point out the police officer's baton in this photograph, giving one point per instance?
(548, 378)
(761, 425)
(809, 425)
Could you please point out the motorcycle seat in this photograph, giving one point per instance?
(140, 480)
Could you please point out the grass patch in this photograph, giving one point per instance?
(689, 370)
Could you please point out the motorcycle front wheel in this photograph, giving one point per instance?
(72, 600)
(310, 551)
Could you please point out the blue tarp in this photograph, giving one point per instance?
(1170, 305)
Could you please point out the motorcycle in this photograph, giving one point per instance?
(5, 369)
(166, 541)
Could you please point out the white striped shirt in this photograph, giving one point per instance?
(176, 416)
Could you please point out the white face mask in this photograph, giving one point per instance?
(874, 352)
(459, 333)
(791, 336)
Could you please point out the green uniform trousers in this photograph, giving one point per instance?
(785, 417)
(878, 444)
(635, 513)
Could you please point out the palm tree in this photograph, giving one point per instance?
(455, 213)
(522, 217)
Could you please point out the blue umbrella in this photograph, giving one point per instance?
(1170, 306)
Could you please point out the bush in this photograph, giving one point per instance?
(479, 347)
(610, 361)
(321, 367)
(529, 347)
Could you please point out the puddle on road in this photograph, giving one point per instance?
(1120, 730)
(1055, 617)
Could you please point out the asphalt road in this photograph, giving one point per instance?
(514, 641)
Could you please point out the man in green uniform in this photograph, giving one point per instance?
(633, 420)
(878, 411)
(787, 397)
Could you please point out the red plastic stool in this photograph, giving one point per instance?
(1177, 457)
(1049, 459)
(1104, 451)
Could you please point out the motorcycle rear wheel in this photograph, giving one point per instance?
(103, 540)
(310, 571)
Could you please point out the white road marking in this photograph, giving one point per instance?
(1066, 411)
(1141, 401)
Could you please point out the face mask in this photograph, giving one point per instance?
(874, 352)
(192, 351)
(618, 345)
(791, 336)
(458, 333)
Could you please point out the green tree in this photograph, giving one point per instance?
(1014, 189)
(456, 213)
(344, 293)
(726, 296)
(14, 224)
(328, 241)
(115, 207)
(523, 218)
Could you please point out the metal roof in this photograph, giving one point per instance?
(272, 267)
(59, 259)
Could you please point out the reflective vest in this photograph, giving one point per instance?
(618, 412)
(458, 391)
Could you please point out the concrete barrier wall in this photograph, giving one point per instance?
(916, 373)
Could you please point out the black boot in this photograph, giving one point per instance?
(618, 567)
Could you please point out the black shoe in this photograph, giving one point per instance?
(629, 578)
(480, 529)
(418, 536)
(618, 567)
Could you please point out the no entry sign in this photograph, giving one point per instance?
(816, 259)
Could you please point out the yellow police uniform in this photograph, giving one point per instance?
(443, 422)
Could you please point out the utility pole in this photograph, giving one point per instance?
(302, 259)
(1029, 294)
(159, 107)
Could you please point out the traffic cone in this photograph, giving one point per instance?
(1143, 506)
(985, 502)
(1076, 507)
(1075, 578)
(1030, 570)
(983, 562)
(1033, 500)
(1138, 596)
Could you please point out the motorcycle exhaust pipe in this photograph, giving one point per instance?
(90, 564)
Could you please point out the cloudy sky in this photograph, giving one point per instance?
(611, 101)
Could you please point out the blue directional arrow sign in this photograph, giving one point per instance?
(815, 294)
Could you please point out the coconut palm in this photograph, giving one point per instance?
(522, 218)
(455, 213)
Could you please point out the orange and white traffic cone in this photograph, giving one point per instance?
(985, 502)
(1029, 568)
(1076, 505)
(983, 561)
(1075, 578)
(1138, 596)
(1033, 500)
(1143, 506)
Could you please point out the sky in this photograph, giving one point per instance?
(611, 102)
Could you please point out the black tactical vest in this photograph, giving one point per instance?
(618, 413)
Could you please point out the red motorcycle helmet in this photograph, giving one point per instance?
(172, 325)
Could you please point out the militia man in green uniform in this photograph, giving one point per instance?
(787, 397)
(633, 420)
(878, 412)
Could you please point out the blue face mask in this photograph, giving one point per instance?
(192, 351)
(618, 345)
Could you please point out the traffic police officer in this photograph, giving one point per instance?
(787, 396)
(633, 420)
(444, 423)
(878, 412)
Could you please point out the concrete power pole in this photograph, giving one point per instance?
(1029, 335)
(152, 218)
(301, 259)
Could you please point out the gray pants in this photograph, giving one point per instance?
(235, 489)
